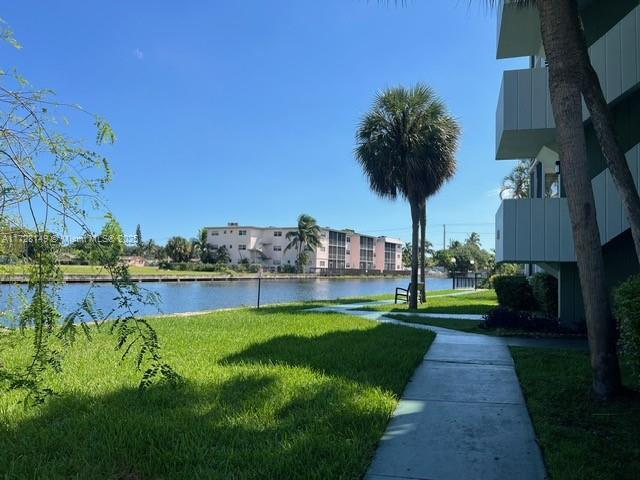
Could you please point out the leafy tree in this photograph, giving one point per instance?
(109, 245)
(202, 248)
(49, 181)
(305, 239)
(221, 255)
(406, 255)
(139, 241)
(465, 257)
(516, 184)
(474, 239)
(178, 249)
(406, 147)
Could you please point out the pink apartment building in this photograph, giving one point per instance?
(340, 249)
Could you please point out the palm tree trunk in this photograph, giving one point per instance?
(565, 81)
(613, 154)
(423, 240)
(415, 221)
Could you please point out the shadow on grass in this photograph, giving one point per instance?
(356, 355)
(241, 428)
(251, 415)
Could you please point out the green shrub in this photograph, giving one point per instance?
(514, 291)
(289, 269)
(545, 292)
(503, 317)
(627, 309)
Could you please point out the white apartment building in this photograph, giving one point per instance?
(340, 250)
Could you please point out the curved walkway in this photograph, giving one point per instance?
(462, 414)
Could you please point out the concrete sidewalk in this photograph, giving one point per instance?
(462, 415)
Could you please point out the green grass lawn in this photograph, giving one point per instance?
(274, 393)
(580, 439)
(98, 270)
(469, 326)
(475, 303)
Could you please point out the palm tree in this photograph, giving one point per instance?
(571, 76)
(305, 239)
(200, 246)
(474, 239)
(516, 184)
(178, 249)
(406, 147)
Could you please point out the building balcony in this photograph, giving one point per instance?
(524, 117)
(538, 230)
(519, 28)
(534, 230)
(518, 31)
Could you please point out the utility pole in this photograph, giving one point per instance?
(444, 236)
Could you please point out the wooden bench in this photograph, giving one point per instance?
(404, 293)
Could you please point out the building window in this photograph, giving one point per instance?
(276, 262)
(242, 246)
(277, 234)
(242, 232)
(322, 263)
(230, 246)
(347, 252)
(337, 250)
(348, 266)
(225, 232)
(366, 252)
(214, 234)
(214, 246)
(348, 239)
(389, 256)
(277, 248)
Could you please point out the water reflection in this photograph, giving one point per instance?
(195, 296)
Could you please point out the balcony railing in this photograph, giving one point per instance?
(519, 28)
(539, 229)
(524, 117)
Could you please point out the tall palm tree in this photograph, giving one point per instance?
(304, 240)
(474, 239)
(571, 76)
(406, 146)
(516, 184)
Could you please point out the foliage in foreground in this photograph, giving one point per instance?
(48, 182)
(627, 306)
(272, 393)
(580, 438)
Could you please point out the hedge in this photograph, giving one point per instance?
(627, 309)
(545, 292)
(515, 292)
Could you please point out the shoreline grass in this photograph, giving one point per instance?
(472, 303)
(580, 438)
(269, 393)
(142, 271)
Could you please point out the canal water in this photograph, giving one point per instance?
(196, 296)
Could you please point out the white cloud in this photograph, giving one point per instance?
(139, 54)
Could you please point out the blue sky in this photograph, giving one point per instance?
(246, 111)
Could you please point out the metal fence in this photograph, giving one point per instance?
(467, 280)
